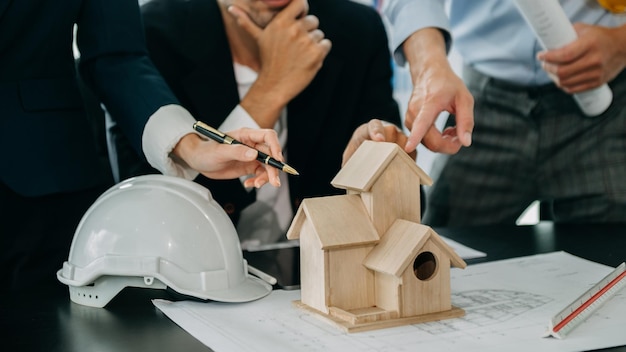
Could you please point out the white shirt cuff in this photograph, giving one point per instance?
(237, 119)
(162, 132)
(169, 124)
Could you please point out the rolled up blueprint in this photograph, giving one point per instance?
(554, 30)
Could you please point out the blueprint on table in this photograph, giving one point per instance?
(508, 306)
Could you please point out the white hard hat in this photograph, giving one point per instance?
(158, 231)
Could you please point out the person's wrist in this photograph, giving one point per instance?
(264, 104)
(425, 51)
(186, 147)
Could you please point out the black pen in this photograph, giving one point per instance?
(223, 138)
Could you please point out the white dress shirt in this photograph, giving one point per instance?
(267, 219)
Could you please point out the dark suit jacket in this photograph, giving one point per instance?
(45, 137)
(187, 42)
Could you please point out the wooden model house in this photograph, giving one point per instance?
(366, 261)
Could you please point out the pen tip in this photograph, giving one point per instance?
(290, 170)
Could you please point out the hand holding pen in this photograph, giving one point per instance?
(223, 138)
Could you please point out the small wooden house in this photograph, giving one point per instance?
(366, 261)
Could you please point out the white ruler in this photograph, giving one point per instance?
(575, 313)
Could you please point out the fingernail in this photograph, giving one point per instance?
(468, 139)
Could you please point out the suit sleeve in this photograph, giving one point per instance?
(115, 64)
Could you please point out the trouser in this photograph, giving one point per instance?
(533, 144)
(36, 233)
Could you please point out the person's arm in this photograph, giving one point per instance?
(595, 58)
(291, 52)
(436, 88)
(114, 63)
(409, 16)
(422, 39)
(172, 147)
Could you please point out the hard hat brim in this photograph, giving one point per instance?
(250, 289)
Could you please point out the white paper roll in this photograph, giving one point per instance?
(554, 30)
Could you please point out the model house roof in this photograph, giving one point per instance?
(401, 244)
(337, 220)
(369, 162)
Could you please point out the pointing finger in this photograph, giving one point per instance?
(245, 22)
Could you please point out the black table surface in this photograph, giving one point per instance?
(45, 319)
